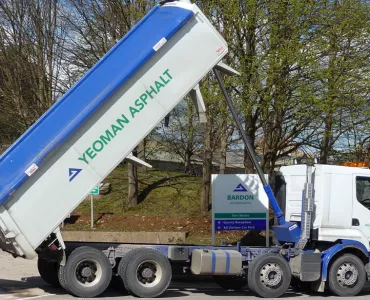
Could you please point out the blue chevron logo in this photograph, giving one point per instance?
(240, 188)
(73, 172)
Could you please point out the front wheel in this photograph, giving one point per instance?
(269, 275)
(347, 276)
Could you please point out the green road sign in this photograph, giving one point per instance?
(95, 191)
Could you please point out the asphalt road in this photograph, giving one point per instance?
(19, 280)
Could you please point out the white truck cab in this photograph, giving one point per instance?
(341, 201)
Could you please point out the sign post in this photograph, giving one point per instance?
(239, 202)
(95, 191)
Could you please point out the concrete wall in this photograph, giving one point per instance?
(125, 237)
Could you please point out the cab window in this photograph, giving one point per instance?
(363, 191)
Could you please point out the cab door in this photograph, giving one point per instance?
(361, 204)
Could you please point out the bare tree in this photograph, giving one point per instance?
(182, 136)
(32, 38)
(97, 25)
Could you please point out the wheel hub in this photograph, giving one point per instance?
(86, 272)
(271, 275)
(347, 274)
(147, 273)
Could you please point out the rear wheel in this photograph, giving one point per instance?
(269, 275)
(231, 282)
(48, 271)
(347, 276)
(121, 270)
(87, 272)
(147, 273)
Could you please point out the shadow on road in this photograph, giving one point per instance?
(31, 286)
(212, 289)
(27, 287)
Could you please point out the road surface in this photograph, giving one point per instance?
(19, 280)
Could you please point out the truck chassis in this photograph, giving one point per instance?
(145, 270)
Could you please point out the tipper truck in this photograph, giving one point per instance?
(322, 234)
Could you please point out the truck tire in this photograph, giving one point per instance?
(121, 269)
(48, 271)
(87, 272)
(231, 282)
(62, 278)
(347, 276)
(147, 274)
(269, 275)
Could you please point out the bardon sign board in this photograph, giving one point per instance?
(239, 202)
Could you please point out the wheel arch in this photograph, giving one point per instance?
(343, 247)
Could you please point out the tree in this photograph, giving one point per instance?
(265, 44)
(183, 135)
(97, 25)
(354, 146)
(32, 38)
(226, 133)
(340, 42)
(285, 96)
(214, 103)
(133, 185)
